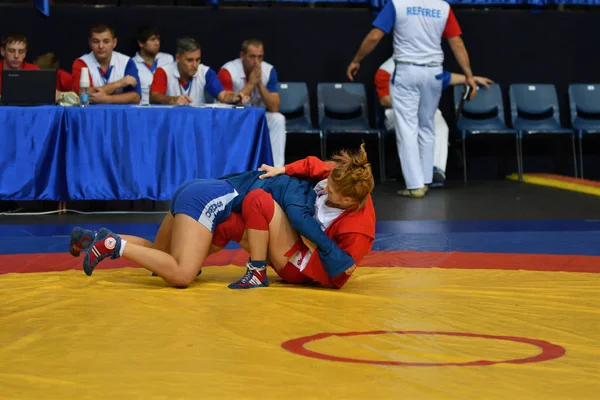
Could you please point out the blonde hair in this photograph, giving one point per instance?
(48, 60)
(352, 175)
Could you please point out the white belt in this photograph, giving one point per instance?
(416, 64)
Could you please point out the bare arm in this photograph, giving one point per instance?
(112, 87)
(367, 46)
(459, 79)
(228, 97)
(123, 98)
(159, 98)
(462, 57)
(225, 97)
(271, 100)
(460, 52)
(247, 90)
(456, 79)
(386, 102)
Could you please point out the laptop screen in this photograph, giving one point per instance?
(28, 87)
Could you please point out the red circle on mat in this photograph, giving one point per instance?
(549, 351)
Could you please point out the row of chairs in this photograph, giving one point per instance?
(534, 110)
(342, 110)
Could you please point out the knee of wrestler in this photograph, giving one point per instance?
(258, 209)
(183, 279)
(276, 123)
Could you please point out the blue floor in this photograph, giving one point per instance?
(569, 237)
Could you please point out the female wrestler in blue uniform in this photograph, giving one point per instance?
(184, 238)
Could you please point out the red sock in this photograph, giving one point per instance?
(258, 209)
(232, 228)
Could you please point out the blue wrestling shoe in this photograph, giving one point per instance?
(81, 239)
(256, 276)
(105, 244)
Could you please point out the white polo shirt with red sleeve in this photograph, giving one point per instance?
(119, 67)
(167, 81)
(146, 72)
(419, 27)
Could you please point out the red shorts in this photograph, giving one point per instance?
(290, 273)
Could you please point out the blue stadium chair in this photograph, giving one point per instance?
(534, 111)
(392, 162)
(379, 115)
(484, 115)
(584, 102)
(295, 106)
(343, 110)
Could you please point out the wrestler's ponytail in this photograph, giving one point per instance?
(352, 175)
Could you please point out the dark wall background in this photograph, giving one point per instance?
(315, 45)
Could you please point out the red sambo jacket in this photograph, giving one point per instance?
(353, 231)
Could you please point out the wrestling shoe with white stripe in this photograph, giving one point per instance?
(105, 244)
(81, 239)
(255, 276)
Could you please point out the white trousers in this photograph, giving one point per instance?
(440, 143)
(276, 124)
(415, 94)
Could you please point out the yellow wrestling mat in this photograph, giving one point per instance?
(391, 333)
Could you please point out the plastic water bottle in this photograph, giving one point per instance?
(84, 88)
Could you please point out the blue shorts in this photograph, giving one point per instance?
(208, 201)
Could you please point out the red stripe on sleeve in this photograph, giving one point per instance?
(225, 78)
(452, 28)
(159, 82)
(382, 83)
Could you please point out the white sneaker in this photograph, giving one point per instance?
(413, 193)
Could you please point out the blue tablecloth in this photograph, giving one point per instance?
(32, 153)
(124, 152)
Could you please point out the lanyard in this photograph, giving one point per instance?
(188, 90)
(105, 77)
(153, 67)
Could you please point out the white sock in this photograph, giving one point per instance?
(123, 243)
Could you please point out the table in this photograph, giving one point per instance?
(124, 152)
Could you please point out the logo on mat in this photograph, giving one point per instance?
(110, 243)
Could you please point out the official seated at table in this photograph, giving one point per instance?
(253, 77)
(184, 81)
(149, 58)
(14, 50)
(113, 76)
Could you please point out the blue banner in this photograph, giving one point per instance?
(375, 5)
(378, 4)
(43, 6)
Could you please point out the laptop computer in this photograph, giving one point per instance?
(28, 87)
